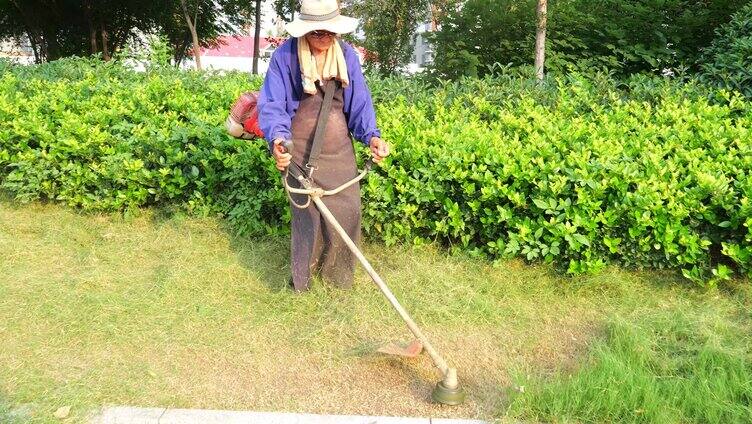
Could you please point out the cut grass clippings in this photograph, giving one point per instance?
(170, 311)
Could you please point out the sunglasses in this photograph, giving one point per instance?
(321, 34)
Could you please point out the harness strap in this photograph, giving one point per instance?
(318, 136)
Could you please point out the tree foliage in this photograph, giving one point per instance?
(286, 9)
(74, 27)
(388, 27)
(484, 32)
(728, 61)
(626, 36)
(641, 35)
(60, 28)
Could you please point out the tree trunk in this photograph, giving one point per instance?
(92, 31)
(35, 47)
(257, 38)
(439, 11)
(434, 17)
(51, 48)
(93, 38)
(105, 41)
(194, 35)
(540, 39)
(35, 34)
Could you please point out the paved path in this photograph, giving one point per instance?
(128, 415)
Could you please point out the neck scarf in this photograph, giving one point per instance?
(334, 65)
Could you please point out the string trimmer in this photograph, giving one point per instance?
(448, 391)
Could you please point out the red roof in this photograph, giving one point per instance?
(235, 46)
(242, 46)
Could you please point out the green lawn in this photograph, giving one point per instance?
(172, 311)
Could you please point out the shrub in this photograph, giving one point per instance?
(580, 172)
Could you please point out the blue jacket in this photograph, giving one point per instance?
(283, 90)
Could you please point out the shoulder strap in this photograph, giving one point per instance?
(318, 135)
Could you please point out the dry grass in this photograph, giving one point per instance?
(174, 312)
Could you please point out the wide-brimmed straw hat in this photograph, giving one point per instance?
(320, 15)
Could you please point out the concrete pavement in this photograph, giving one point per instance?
(130, 415)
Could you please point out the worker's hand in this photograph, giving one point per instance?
(379, 149)
(281, 155)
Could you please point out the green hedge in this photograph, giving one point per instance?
(581, 172)
(102, 137)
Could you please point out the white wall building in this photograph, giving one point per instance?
(17, 51)
(422, 49)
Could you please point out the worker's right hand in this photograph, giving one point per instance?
(281, 155)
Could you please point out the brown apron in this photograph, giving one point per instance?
(315, 244)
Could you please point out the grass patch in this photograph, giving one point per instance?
(13, 415)
(672, 365)
(172, 311)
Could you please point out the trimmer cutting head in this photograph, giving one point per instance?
(448, 391)
(447, 396)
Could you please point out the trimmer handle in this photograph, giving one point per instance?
(287, 145)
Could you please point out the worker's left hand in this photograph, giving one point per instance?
(379, 149)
